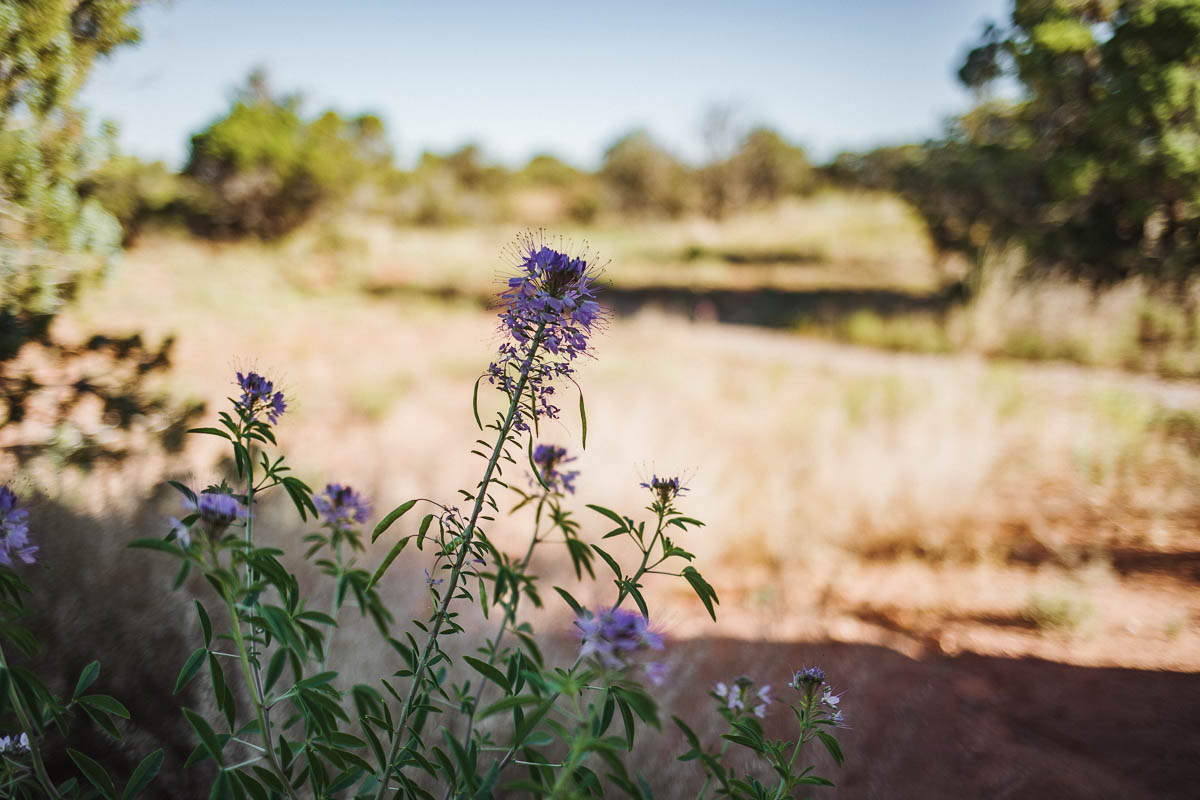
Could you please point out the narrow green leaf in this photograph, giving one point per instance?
(396, 513)
(103, 720)
(95, 773)
(183, 490)
(208, 737)
(222, 788)
(488, 671)
(705, 592)
(831, 744)
(506, 703)
(211, 432)
(397, 548)
(190, 668)
(614, 516)
(537, 473)
(143, 775)
(583, 420)
(275, 667)
(86, 678)
(475, 402)
(612, 562)
(205, 623)
(423, 529)
(106, 704)
(578, 609)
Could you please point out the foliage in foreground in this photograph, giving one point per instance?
(493, 713)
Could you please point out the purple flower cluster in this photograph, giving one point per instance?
(548, 458)
(258, 394)
(342, 507)
(555, 293)
(14, 745)
(810, 682)
(217, 510)
(665, 489)
(14, 530)
(807, 677)
(614, 634)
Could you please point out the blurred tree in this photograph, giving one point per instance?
(54, 240)
(770, 167)
(645, 178)
(262, 169)
(718, 177)
(51, 239)
(548, 170)
(133, 191)
(1095, 166)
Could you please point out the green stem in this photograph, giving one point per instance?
(256, 697)
(334, 606)
(708, 776)
(255, 674)
(510, 613)
(621, 595)
(23, 717)
(576, 755)
(463, 549)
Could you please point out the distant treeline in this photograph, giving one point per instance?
(1088, 158)
(265, 167)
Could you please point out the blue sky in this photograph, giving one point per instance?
(526, 77)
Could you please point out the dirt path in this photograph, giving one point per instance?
(969, 726)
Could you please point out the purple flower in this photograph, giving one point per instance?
(614, 634)
(341, 506)
(665, 489)
(217, 510)
(14, 530)
(808, 679)
(553, 293)
(258, 394)
(547, 457)
(656, 672)
(810, 682)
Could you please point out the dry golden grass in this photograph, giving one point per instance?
(916, 501)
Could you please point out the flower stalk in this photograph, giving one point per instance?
(463, 549)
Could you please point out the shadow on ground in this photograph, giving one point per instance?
(952, 727)
(773, 308)
(965, 726)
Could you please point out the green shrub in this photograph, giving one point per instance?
(135, 192)
(1057, 610)
(263, 169)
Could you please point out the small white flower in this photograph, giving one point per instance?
(183, 536)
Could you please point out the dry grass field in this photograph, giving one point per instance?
(912, 518)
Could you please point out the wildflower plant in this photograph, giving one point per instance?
(494, 713)
(815, 707)
(32, 717)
